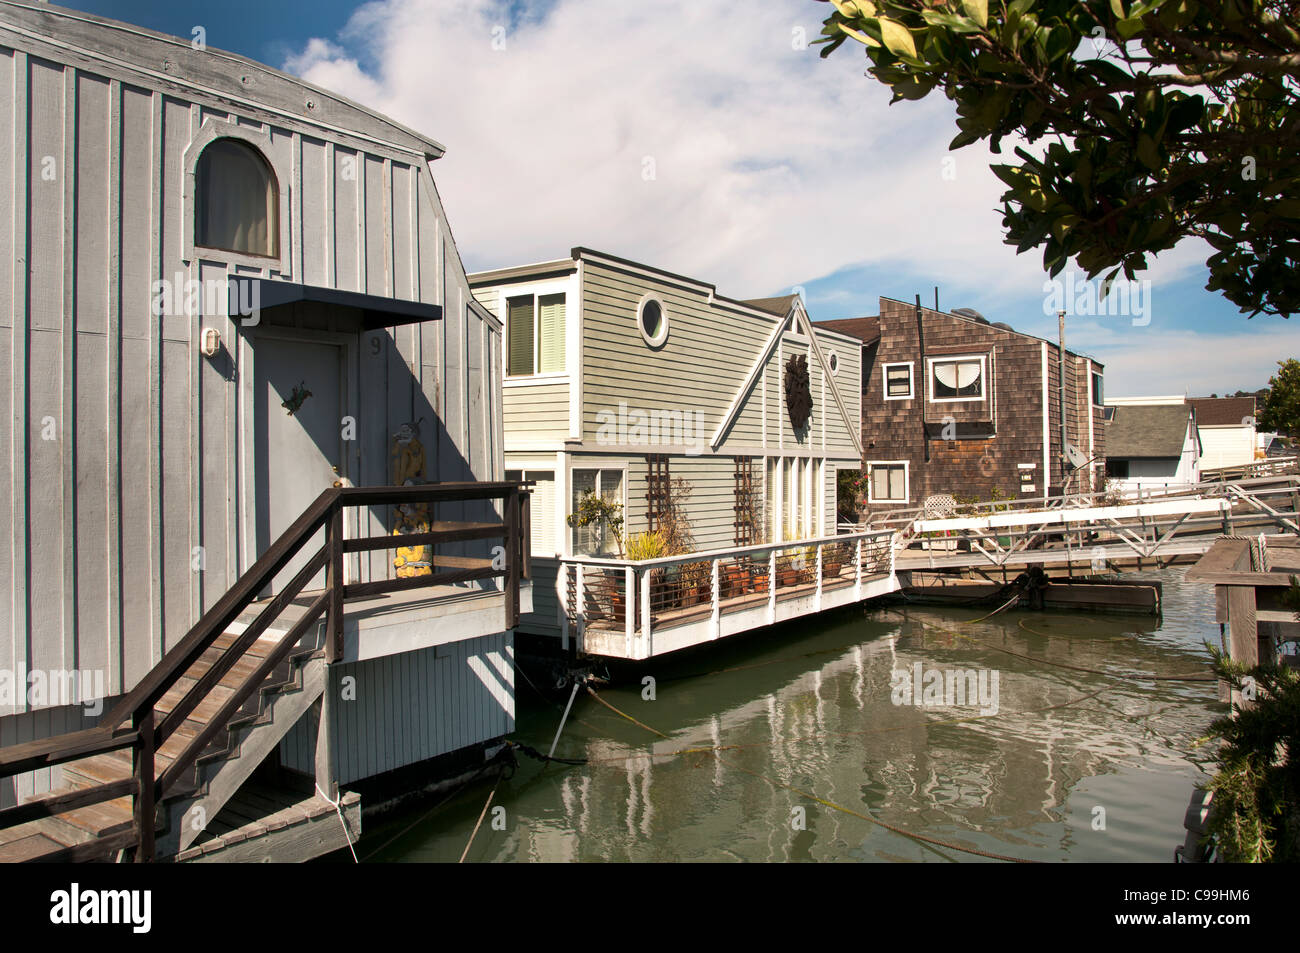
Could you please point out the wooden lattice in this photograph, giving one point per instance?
(745, 518)
(657, 490)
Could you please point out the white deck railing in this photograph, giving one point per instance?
(639, 598)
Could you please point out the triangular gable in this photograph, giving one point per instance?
(801, 326)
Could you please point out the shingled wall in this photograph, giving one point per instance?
(974, 447)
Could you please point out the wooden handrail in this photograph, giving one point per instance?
(145, 735)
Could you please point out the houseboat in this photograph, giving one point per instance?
(673, 438)
(955, 406)
(253, 444)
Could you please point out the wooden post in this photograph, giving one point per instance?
(565, 607)
(142, 768)
(526, 535)
(1243, 631)
(716, 615)
(334, 583)
(817, 599)
(857, 570)
(512, 548)
(629, 605)
(771, 586)
(645, 608)
(325, 741)
(580, 604)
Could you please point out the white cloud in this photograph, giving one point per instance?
(1197, 364)
(772, 167)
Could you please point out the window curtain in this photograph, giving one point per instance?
(238, 202)
(957, 376)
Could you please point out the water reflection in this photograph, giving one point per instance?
(808, 708)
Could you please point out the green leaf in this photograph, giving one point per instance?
(1117, 8)
(977, 10)
(1129, 27)
(897, 37)
(949, 21)
(860, 37)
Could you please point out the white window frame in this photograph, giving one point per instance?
(571, 531)
(907, 480)
(527, 471)
(657, 341)
(1092, 391)
(911, 380)
(950, 358)
(537, 290)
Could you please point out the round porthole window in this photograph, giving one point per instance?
(834, 361)
(652, 319)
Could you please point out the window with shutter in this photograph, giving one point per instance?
(551, 312)
(519, 330)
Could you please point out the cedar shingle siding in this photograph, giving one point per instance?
(986, 439)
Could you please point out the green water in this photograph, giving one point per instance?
(1074, 766)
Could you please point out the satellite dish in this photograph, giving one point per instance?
(1075, 457)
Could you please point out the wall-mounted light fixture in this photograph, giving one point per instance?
(210, 342)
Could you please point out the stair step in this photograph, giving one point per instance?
(108, 817)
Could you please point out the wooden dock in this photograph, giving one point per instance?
(263, 824)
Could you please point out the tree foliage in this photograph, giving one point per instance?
(1281, 411)
(1256, 812)
(1159, 120)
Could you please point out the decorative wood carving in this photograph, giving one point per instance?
(798, 392)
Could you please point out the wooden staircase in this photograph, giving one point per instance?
(164, 761)
(225, 763)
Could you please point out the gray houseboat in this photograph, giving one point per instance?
(239, 354)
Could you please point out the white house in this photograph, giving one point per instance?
(1227, 430)
(1151, 443)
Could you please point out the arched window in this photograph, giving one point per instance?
(238, 202)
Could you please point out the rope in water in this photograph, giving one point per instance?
(933, 841)
(482, 814)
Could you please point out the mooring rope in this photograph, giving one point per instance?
(338, 807)
(482, 814)
(933, 841)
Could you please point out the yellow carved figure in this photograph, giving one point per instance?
(408, 470)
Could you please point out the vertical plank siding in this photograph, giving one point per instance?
(411, 707)
(123, 448)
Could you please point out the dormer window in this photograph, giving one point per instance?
(238, 201)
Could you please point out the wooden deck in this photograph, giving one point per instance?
(262, 824)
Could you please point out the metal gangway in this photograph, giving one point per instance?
(1091, 528)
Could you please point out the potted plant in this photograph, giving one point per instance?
(696, 581)
(651, 546)
(786, 572)
(833, 557)
(603, 514)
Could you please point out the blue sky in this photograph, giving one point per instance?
(769, 168)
